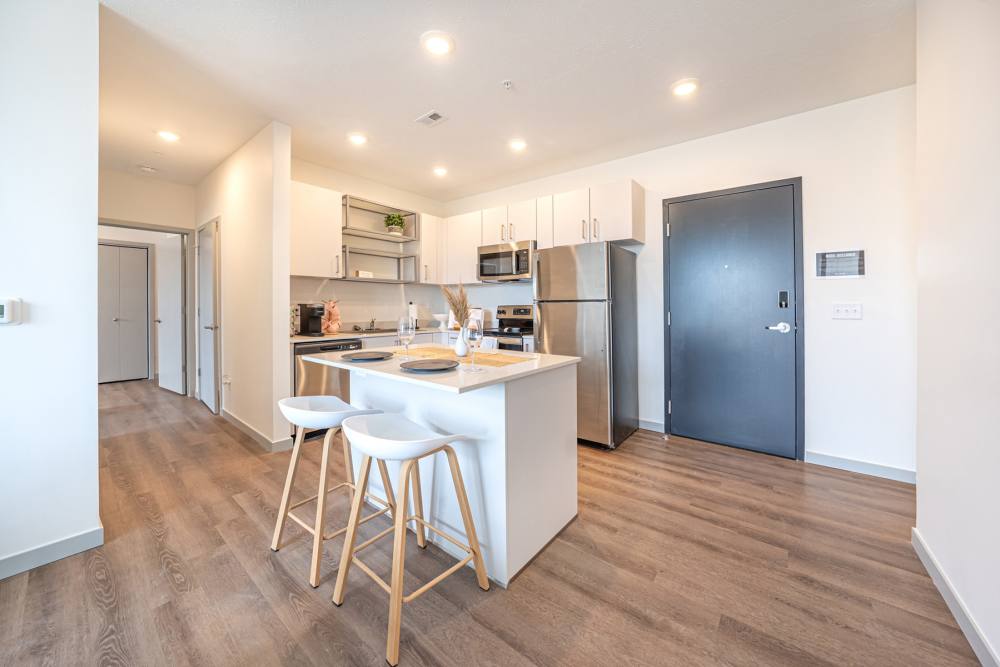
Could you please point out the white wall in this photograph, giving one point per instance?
(958, 452)
(48, 212)
(128, 197)
(325, 177)
(249, 193)
(856, 161)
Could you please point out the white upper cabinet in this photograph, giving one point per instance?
(521, 221)
(617, 212)
(571, 217)
(430, 269)
(495, 229)
(543, 221)
(464, 236)
(316, 234)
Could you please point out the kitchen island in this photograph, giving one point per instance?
(519, 463)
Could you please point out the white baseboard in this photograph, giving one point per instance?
(977, 640)
(265, 443)
(863, 467)
(53, 551)
(651, 425)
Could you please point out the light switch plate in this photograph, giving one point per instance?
(847, 311)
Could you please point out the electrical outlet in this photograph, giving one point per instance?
(847, 311)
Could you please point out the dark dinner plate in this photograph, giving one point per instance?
(356, 357)
(429, 365)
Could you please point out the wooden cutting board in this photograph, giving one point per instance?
(494, 359)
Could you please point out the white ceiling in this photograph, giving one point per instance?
(591, 79)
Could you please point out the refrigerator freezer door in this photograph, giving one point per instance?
(580, 329)
(572, 273)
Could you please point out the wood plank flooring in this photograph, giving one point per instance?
(683, 554)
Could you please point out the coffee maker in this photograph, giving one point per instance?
(311, 319)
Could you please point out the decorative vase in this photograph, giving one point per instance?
(461, 347)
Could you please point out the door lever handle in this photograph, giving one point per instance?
(780, 327)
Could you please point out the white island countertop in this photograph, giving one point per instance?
(457, 381)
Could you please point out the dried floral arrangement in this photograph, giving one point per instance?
(458, 302)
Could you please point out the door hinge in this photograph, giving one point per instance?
(669, 408)
(668, 229)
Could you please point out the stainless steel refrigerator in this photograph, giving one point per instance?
(585, 306)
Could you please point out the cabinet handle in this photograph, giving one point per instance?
(425, 273)
(583, 230)
(502, 232)
(510, 232)
(336, 266)
(597, 229)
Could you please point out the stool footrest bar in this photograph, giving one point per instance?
(367, 570)
(463, 547)
(436, 580)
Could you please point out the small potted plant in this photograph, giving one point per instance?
(395, 224)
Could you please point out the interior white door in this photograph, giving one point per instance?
(208, 329)
(571, 217)
(108, 366)
(170, 314)
(123, 313)
(133, 312)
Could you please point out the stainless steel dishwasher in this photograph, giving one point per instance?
(319, 380)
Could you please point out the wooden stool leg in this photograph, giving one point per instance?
(293, 466)
(324, 467)
(418, 507)
(398, 555)
(351, 534)
(470, 528)
(348, 462)
(383, 471)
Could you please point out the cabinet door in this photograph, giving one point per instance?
(464, 238)
(316, 231)
(617, 212)
(521, 221)
(571, 217)
(495, 225)
(379, 341)
(543, 223)
(430, 238)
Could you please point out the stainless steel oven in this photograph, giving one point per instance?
(506, 262)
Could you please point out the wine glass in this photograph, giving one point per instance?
(407, 330)
(473, 338)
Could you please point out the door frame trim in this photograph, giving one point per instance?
(216, 306)
(187, 315)
(800, 331)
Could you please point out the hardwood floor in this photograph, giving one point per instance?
(683, 554)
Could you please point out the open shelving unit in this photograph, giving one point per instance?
(387, 266)
(366, 218)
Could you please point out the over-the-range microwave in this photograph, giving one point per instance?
(506, 262)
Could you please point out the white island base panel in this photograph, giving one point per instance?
(519, 469)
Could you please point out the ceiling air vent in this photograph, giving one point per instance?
(431, 118)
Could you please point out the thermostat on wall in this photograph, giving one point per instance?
(10, 311)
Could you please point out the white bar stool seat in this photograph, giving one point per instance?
(316, 412)
(389, 437)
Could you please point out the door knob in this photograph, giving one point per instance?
(780, 327)
(209, 327)
(114, 319)
(158, 321)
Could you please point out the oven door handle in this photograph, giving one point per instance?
(508, 341)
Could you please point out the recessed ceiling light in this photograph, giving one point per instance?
(437, 42)
(518, 145)
(168, 136)
(440, 171)
(684, 87)
(146, 169)
(357, 138)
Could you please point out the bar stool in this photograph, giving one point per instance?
(388, 437)
(314, 412)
